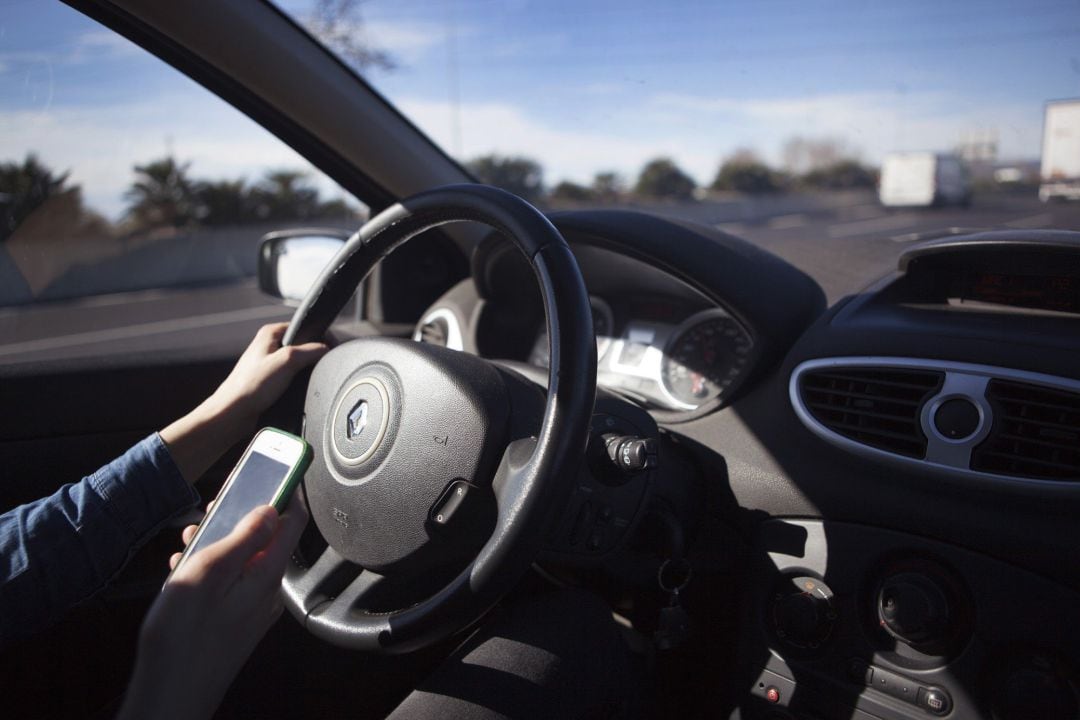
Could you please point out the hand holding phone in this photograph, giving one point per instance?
(209, 617)
(267, 474)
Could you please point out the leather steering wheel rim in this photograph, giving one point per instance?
(540, 471)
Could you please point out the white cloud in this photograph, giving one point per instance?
(876, 123)
(574, 154)
(407, 42)
(101, 145)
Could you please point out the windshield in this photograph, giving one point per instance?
(774, 120)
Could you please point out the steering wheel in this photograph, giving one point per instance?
(434, 467)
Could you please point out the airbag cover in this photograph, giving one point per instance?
(392, 423)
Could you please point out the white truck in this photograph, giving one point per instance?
(1061, 151)
(913, 179)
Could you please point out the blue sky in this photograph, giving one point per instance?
(696, 80)
(581, 86)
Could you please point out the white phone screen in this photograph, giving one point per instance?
(255, 484)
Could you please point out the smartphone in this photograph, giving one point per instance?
(267, 474)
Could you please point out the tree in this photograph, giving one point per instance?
(224, 202)
(285, 195)
(24, 188)
(844, 174)
(162, 195)
(337, 209)
(745, 172)
(571, 192)
(662, 178)
(608, 186)
(338, 24)
(520, 175)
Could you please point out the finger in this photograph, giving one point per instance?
(275, 331)
(174, 559)
(268, 338)
(270, 565)
(228, 556)
(187, 533)
(300, 356)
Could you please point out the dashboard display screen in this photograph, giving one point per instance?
(1040, 292)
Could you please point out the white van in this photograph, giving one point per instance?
(1061, 151)
(923, 179)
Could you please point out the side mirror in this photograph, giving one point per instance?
(290, 260)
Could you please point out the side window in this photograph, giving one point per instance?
(132, 199)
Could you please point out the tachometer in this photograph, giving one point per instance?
(704, 358)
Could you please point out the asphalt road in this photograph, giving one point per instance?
(848, 248)
(843, 248)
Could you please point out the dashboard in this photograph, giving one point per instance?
(884, 492)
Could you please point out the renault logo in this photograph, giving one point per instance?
(360, 420)
(357, 419)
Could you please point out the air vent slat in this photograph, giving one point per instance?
(860, 396)
(880, 381)
(1058, 445)
(874, 431)
(1044, 424)
(878, 407)
(434, 332)
(901, 417)
(1036, 432)
(1052, 407)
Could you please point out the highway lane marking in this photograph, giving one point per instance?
(874, 225)
(731, 228)
(1032, 221)
(150, 328)
(906, 237)
(787, 222)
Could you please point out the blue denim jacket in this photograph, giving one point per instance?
(60, 550)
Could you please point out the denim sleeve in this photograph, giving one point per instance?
(60, 550)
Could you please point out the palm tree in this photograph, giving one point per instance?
(162, 195)
(224, 202)
(23, 189)
(285, 195)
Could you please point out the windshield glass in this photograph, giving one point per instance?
(774, 120)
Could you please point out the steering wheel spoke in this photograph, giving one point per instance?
(306, 588)
(339, 611)
(512, 475)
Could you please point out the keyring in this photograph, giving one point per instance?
(681, 565)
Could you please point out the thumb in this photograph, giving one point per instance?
(228, 556)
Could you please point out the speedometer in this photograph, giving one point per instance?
(603, 325)
(704, 358)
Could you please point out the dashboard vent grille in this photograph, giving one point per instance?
(1036, 432)
(878, 407)
(434, 332)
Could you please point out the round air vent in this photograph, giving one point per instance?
(440, 327)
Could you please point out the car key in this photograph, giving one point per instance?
(673, 624)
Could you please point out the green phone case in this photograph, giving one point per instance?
(284, 494)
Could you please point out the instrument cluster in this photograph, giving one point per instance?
(663, 354)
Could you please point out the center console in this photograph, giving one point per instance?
(851, 621)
